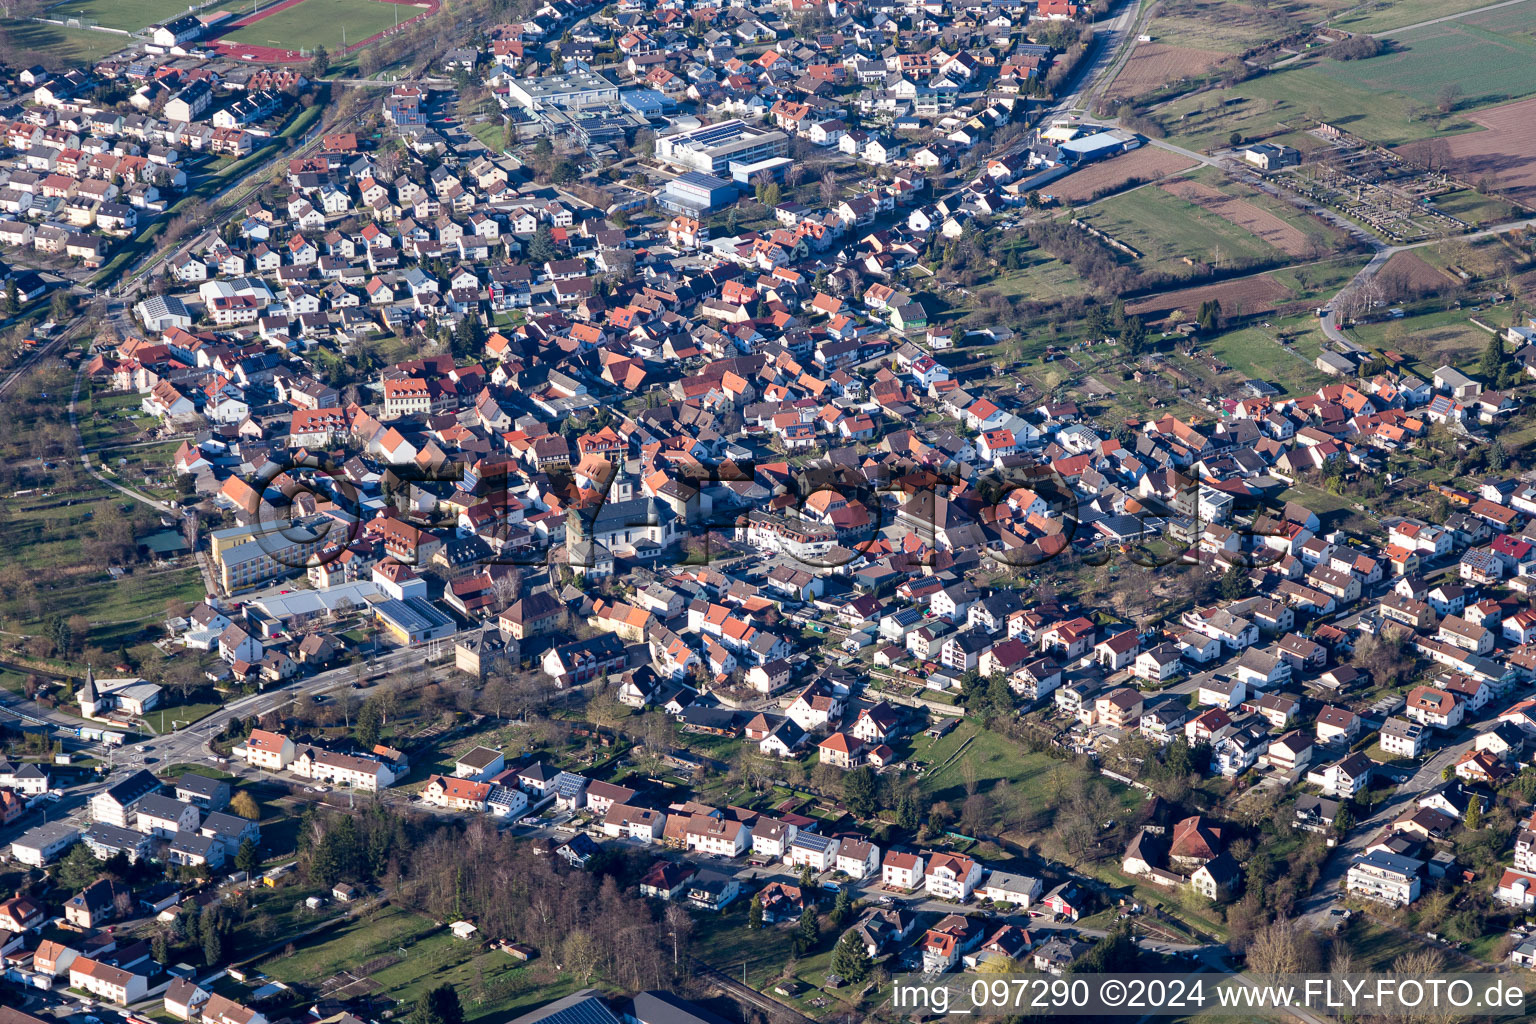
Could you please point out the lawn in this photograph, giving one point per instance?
(724, 941)
(1335, 510)
(128, 15)
(1167, 229)
(402, 954)
(1430, 340)
(107, 418)
(1033, 778)
(491, 134)
(1255, 354)
(1486, 66)
(1374, 946)
(1223, 26)
(169, 719)
(1039, 275)
(322, 23)
(79, 46)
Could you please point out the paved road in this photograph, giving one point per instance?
(1112, 37)
(191, 744)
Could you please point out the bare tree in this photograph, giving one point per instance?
(828, 188)
(1277, 949)
(680, 927)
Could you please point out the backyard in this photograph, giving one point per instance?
(393, 953)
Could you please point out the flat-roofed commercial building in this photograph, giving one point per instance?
(570, 90)
(712, 149)
(413, 620)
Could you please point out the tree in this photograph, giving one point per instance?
(78, 868)
(320, 63)
(1277, 949)
(1114, 952)
(62, 636)
(369, 721)
(12, 301)
(1210, 315)
(755, 913)
(580, 953)
(807, 878)
(246, 858)
(1235, 584)
(1344, 819)
(908, 814)
(1236, 139)
(1133, 337)
(850, 960)
(1498, 456)
(768, 195)
(1474, 819)
(58, 306)
(859, 791)
(840, 909)
(1493, 359)
(438, 1005)
(244, 805)
(542, 246)
(808, 930)
(1179, 759)
(213, 946)
(680, 927)
(1448, 98)
(998, 700)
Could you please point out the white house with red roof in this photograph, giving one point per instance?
(951, 876)
(902, 870)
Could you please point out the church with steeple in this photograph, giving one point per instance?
(89, 696)
(115, 698)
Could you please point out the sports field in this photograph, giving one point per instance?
(322, 23)
(128, 15)
(79, 46)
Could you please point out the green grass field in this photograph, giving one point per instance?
(79, 46)
(128, 15)
(1254, 354)
(1487, 66)
(1038, 276)
(1390, 14)
(1285, 100)
(321, 23)
(1319, 279)
(490, 983)
(1476, 208)
(1166, 228)
(1431, 339)
(1033, 778)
